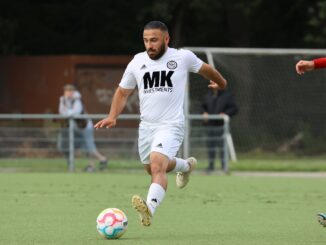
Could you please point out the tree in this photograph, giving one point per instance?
(115, 27)
(316, 34)
(7, 36)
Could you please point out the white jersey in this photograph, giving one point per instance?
(161, 83)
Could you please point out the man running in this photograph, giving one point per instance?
(160, 73)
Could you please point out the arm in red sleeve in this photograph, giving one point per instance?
(320, 63)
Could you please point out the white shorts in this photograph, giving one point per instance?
(165, 139)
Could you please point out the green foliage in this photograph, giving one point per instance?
(115, 27)
(7, 36)
(317, 29)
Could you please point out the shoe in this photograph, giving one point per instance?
(89, 169)
(322, 219)
(103, 164)
(183, 178)
(142, 209)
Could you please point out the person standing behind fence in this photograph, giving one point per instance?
(71, 105)
(301, 67)
(216, 102)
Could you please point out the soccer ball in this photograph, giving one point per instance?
(111, 223)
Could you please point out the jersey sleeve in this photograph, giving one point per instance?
(128, 80)
(193, 62)
(320, 63)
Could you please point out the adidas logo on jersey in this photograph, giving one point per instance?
(143, 67)
(160, 145)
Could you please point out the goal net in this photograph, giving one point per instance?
(279, 111)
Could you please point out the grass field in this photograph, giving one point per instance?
(251, 162)
(61, 208)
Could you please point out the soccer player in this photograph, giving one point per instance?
(308, 65)
(160, 73)
(301, 67)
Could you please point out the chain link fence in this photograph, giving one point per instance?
(279, 111)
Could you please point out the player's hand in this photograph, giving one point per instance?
(213, 85)
(106, 122)
(205, 116)
(304, 65)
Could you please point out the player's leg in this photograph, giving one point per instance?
(184, 170)
(182, 167)
(156, 192)
(165, 143)
(175, 165)
(145, 136)
(158, 164)
(171, 139)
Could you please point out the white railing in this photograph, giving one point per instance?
(71, 126)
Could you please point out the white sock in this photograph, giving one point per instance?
(181, 165)
(155, 196)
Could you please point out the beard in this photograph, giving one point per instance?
(159, 54)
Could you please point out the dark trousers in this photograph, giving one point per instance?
(214, 142)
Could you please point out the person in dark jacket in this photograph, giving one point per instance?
(217, 102)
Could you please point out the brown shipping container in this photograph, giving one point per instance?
(33, 84)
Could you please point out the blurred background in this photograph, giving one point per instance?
(115, 27)
(46, 44)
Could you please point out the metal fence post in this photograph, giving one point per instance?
(71, 144)
(225, 144)
(186, 141)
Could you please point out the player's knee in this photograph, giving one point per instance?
(158, 164)
(156, 168)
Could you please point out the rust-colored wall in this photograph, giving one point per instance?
(32, 84)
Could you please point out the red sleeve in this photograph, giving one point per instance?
(320, 63)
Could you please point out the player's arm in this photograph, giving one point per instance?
(118, 103)
(308, 65)
(320, 63)
(215, 77)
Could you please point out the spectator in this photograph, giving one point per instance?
(217, 102)
(71, 105)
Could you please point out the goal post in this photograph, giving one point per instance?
(276, 105)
